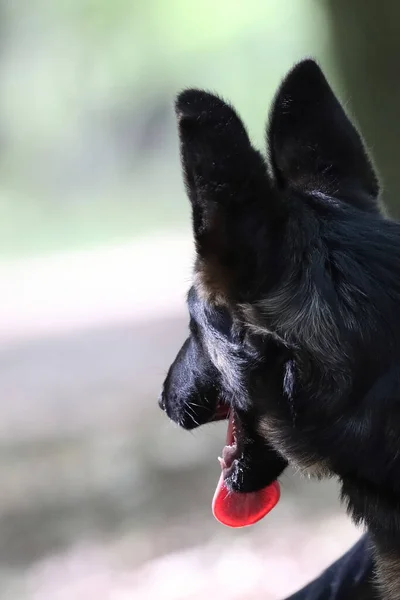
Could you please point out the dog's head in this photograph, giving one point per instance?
(249, 248)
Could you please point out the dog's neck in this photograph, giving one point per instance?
(387, 561)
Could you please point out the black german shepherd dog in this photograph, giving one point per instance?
(295, 313)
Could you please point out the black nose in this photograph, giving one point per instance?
(161, 401)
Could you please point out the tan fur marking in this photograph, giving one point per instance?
(388, 575)
(271, 431)
(210, 282)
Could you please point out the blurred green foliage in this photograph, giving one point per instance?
(87, 135)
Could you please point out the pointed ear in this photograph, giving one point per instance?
(312, 143)
(226, 179)
(223, 173)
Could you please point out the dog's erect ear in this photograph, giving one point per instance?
(223, 172)
(312, 143)
(226, 180)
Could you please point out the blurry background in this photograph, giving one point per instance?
(101, 497)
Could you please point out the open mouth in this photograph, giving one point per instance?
(230, 452)
(244, 492)
(233, 455)
(231, 506)
(222, 412)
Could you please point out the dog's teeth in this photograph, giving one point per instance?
(222, 462)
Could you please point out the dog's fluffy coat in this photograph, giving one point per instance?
(294, 308)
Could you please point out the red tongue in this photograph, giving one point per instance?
(235, 509)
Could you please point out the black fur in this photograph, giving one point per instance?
(295, 320)
(349, 578)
